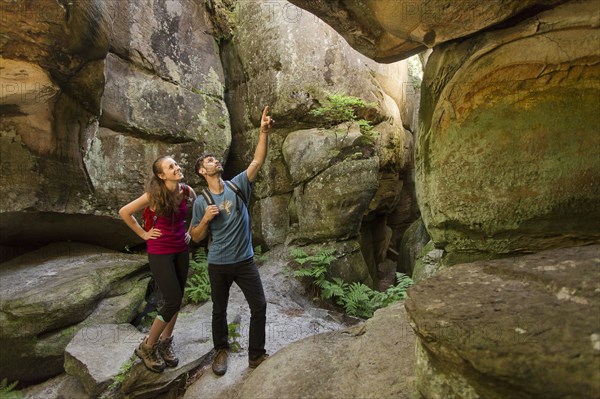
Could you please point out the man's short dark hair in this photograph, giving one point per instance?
(199, 161)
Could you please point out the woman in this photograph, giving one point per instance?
(167, 243)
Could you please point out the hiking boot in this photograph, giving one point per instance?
(150, 357)
(165, 350)
(219, 365)
(254, 363)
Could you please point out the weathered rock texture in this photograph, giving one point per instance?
(291, 317)
(389, 30)
(93, 92)
(95, 356)
(521, 327)
(339, 365)
(413, 241)
(48, 295)
(507, 159)
(325, 179)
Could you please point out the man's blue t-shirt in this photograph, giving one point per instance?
(231, 236)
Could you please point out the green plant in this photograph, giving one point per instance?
(339, 108)
(318, 264)
(357, 299)
(7, 391)
(120, 377)
(233, 335)
(197, 289)
(367, 130)
(259, 256)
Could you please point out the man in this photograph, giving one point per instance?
(230, 253)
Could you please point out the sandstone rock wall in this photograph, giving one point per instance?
(389, 30)
(330, 177)
(521, 327)
(506, 151)
(507, 158)
(50, 294)
(93, 92)
(124, 84)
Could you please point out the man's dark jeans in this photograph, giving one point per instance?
(246, 276)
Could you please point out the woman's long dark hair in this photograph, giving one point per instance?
(162, 200)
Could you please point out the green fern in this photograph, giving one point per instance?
(233, 335)
(357, 300)
(317, 265)
(335, 289)
(7, 391)
(259, 256)
(338, 108)
(197, 289)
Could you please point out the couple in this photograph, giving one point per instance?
(230, 256)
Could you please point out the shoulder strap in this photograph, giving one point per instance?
(186, 189)
(207, 196)
(237, 190)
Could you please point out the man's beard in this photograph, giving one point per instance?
(215, 172)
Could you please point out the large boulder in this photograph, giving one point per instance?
(413, 241)
(325, 63)
(336, 364)
(82, 124)
(520, 327)
(332, 204)
(298, 74)
(336, 178)
(98, 353)
(291, 317)
(388, 30)
(48, 295)
(507, 158)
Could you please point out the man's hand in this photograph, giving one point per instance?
(211, 212)
(260, 153)
(266, 122)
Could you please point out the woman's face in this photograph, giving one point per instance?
(170, 170)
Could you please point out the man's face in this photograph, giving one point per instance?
(211, 166)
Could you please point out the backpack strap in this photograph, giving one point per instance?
(186, 190)
(207, 196)
(237, 190)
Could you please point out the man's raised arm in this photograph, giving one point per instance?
(260, 154)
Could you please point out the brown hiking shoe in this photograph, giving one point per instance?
(165, 350)
(254, 363)
(219, 365)
(150, 357)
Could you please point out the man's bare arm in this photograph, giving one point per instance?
(260, 153)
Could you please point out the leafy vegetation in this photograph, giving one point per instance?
(120, 377)
(7, 391)
(233, 335)
(341, 108)
(197, 289)
(259, 256)
(356, 298)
